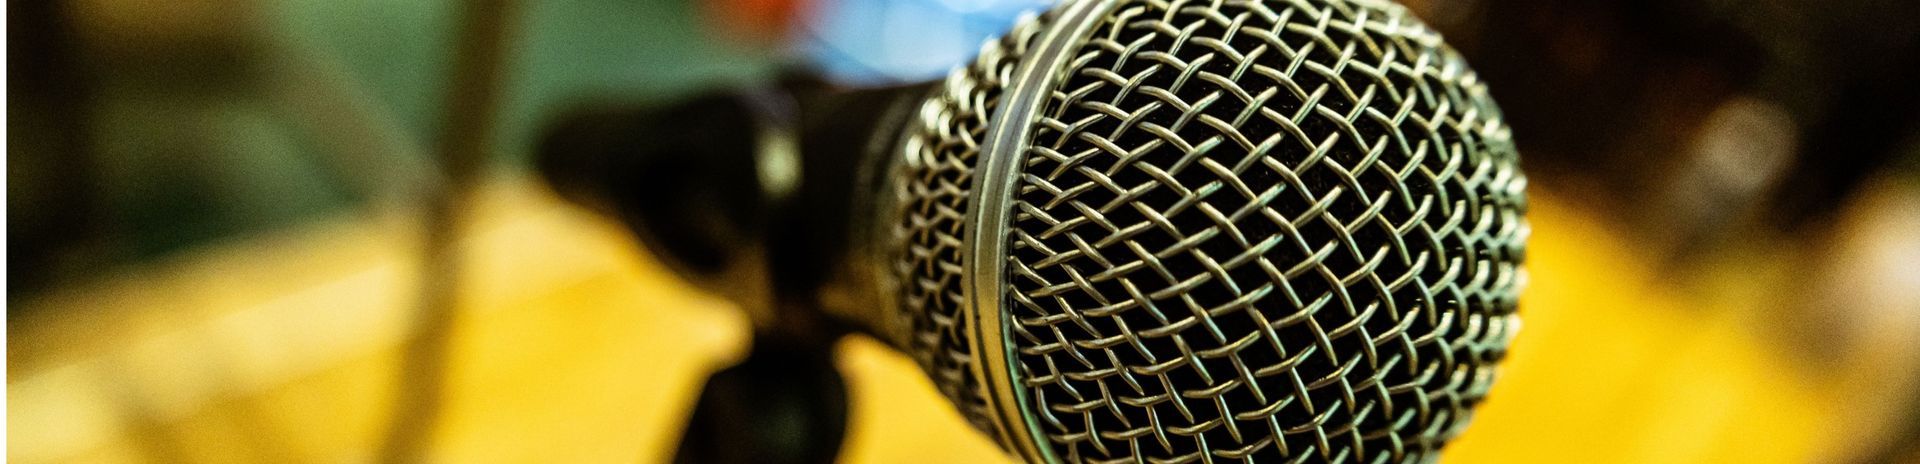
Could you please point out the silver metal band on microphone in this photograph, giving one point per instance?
(995, 177)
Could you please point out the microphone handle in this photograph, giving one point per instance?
(747, 193)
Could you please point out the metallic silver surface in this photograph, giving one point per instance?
(990, 209)
(933, 178)
(1278, 231)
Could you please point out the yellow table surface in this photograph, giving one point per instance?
(572, 346)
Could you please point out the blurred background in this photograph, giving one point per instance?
(307, 230)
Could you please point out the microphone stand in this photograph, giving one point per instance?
(750, 195)
(786, 402)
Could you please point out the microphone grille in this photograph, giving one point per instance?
(932, 182)
(1279, 230)
(1265, 230)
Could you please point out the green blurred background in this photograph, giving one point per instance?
(205, 119)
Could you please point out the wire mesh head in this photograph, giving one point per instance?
(1270, 230)
(931, 182)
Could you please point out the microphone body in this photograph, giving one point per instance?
(1168, 231)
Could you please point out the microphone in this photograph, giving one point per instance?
(1179, 231)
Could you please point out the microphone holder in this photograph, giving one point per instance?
(748, 194)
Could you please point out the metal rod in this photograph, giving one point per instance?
(472, 103)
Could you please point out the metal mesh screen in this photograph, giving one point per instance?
(932, 183)
(1282, 231)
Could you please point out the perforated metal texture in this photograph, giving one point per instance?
(1280, 231)
(932, 183)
